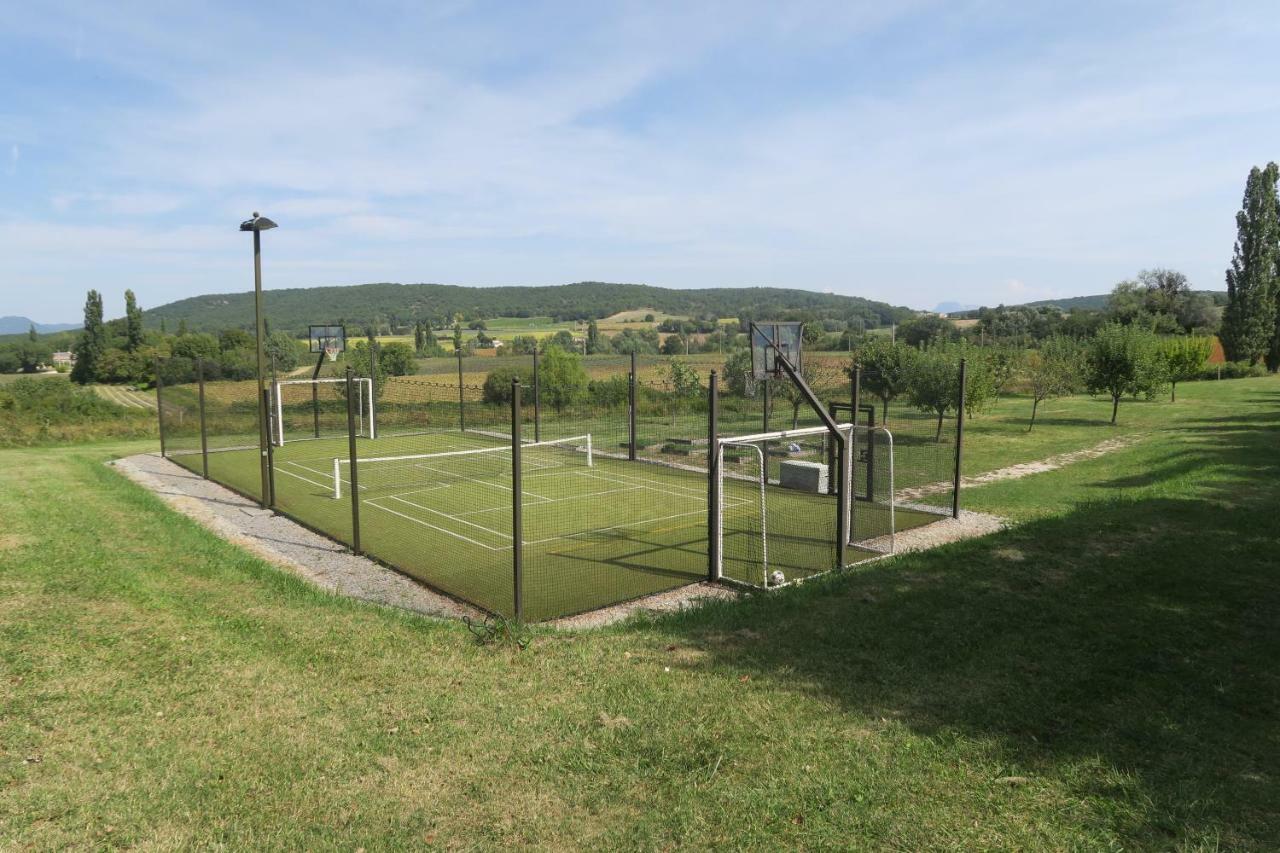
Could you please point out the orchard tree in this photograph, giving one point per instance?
(1122, 360)
(562, 378)
(1249, 321)
(886, 370)
(685, 387)
(397, 359)
(819, 375)
(1054, 370)
(1184, 358)
(933, 382)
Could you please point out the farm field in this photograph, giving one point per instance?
(6, 378)
(1099, 676)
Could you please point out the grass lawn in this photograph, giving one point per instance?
(1102, 676)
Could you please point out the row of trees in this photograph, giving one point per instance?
(1118, 361)
(1251, 321)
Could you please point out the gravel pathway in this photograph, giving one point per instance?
(282, 542)
(1024, 469)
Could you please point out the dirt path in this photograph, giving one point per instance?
(1024, 469)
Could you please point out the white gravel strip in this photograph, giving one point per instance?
(284, 543)
(1024, 469)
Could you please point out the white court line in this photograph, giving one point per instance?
(371, 503)
(326, 486)
(454, 518)
(661, 485)
(550, 500)
(615, 527)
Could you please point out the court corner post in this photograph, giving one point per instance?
(537, 399)
(351, 456)
(713, 476)
(204, 429)
(517, 522)
(269, 497)
(160, 405)
(631, 410)
(955, 490)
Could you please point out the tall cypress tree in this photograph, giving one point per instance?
(92, 343)
(1249, 320)
(132, 322)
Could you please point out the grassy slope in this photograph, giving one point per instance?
(1101, 676)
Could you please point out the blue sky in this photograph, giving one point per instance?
(913, 152)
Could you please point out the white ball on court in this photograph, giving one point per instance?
(777, 578)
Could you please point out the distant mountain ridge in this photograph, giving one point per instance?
(1097, 302)
(12, 325)
(294, 309)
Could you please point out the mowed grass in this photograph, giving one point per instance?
(1102, 676)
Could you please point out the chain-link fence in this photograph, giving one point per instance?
(550, 493)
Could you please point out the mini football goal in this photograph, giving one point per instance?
(777, 521)
(317, 408)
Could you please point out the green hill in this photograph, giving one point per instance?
(401, 304)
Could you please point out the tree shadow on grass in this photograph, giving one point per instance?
(1139, 632)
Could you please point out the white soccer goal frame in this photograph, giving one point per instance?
(756, 441)
(338, 461)
(364, 404)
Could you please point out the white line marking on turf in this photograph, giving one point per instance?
(434, 527)
(453, 518)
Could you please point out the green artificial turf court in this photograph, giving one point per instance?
(596, 529)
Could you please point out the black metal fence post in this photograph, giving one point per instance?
(353, 462)
(517, 521)
(374, 349)
(160, 405)
(713, 478)
(462, 418)
(537, 399)
(204, 431)
(269, 499)
(955, 493)
(631, 410)
(832, 452)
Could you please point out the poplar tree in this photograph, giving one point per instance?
(92, 343)
(1249, 329)
(132, 322)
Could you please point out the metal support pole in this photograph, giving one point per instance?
(831, 453)
(374, 349)
(537, 400)
(204, 431)
(462, 418)
(517, 521)
(269, 497)
(353, 460)
(713, 477)
(764, 427)
(631, 410)
(955, 492)
(160, 405)
(315, 393)
(264, 467)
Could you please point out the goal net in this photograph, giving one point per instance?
(317, 408)
(779, 516)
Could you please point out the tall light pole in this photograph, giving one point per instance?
(257, 225)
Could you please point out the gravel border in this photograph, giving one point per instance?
(330, 566)
(285, 543)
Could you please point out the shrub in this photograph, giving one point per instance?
(497, 385)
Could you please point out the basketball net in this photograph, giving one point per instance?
(331, 350)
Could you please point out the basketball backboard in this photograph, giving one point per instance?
(768, 341)
(327, 338)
